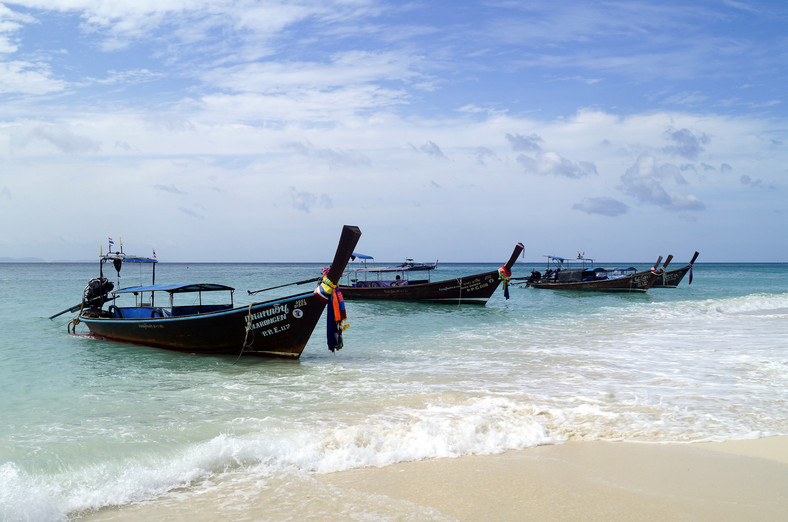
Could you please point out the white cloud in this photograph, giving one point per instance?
(20, 77)
(62, 138)
(643, 181)
(553, 164)
(603, 206)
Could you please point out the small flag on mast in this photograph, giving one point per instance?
(154, 254)
(111, 243)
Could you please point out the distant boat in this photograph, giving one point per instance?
(394, 283)
(205, 323)
(672, 278)
(587, 277)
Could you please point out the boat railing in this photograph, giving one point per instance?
(199, 309)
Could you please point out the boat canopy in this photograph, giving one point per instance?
(388, 269)
(355, 255)
(176, 288)
(126, 258)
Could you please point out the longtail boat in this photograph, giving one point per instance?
(672, 278)
(276, 328)
(591, 278)
(396, 284)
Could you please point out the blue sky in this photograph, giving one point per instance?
(252, 130)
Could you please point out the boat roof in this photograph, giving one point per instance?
(388, 269)
(578, 259)
(355, 255)
(176, 288)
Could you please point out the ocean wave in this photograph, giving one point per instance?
(482, 426)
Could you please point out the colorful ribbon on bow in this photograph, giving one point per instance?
(336, 312)
(504, 274)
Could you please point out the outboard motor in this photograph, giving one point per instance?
(98, 288)
(535, 276)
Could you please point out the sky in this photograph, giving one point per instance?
(251, 131)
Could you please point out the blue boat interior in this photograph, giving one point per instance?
(146, 312)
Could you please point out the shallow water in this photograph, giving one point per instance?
(91, 423)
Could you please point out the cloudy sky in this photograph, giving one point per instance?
(242, 130)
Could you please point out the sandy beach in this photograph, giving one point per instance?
(736, 480)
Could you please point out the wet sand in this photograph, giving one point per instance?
(611, 481)
(740, 480)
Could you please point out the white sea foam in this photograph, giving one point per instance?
(23, 497)
(483, 426)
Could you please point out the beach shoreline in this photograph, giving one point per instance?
(586, 480)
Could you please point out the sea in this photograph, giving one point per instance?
(90, 425)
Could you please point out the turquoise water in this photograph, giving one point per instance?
(90, 423)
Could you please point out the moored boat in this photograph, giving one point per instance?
(396, 284)
(586, 277)
(276, 328)
(672, 278)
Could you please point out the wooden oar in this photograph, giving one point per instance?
(305, 281)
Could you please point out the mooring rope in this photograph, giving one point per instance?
(248, 329)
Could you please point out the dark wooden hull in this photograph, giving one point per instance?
(671, 278)
(474, 289)
(638, 282)
(278, 328)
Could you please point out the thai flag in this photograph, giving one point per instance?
(154, 254)
(111, 242)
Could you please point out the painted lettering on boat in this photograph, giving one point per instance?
(283, 308)
(275, 330)
(146, 325)
(265, 322)
(275, 314)
(468, 286)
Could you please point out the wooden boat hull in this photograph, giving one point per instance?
(475, 289)
(279, 328)
(638, 282)
(671, 278)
